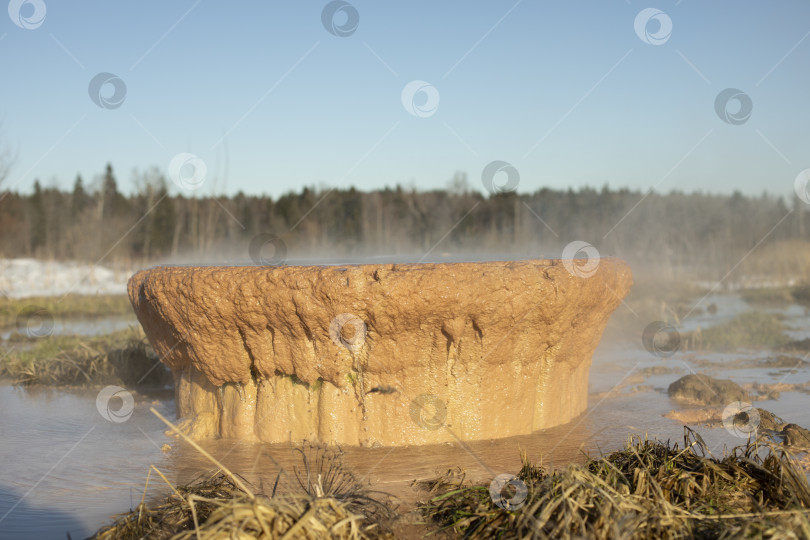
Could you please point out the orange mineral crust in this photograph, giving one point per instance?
(378, 354)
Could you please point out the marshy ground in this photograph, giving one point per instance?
(70, 468)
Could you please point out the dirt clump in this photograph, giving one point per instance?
(783, 361)
(792, 435)
(797, 436)
(701, 389)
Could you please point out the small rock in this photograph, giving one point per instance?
(801, 345)
(166, 448)
(790, 434)
(797, 436)
(701, 389)
(783, 361)
(767, 420)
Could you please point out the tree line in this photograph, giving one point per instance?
(675, 230)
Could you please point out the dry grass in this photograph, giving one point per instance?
(778, 296)
(647, 490)
(328, 502)
(213, 506)
(122, 357)
(752, 329)
(768, 297)
(323, 475)
(778, 262)
(70, 306)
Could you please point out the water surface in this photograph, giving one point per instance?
(67, 469)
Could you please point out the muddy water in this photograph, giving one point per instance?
(392, 470)
(67, 469)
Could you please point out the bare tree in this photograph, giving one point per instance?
(8, 156)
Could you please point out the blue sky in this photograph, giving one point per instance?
(270, 101)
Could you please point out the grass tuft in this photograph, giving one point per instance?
(801, 294)
(122, 357)
(752, 329)
(69, 306)
(647, 490)
(330, 503)
(768, 296)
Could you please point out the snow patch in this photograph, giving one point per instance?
(24, 278)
